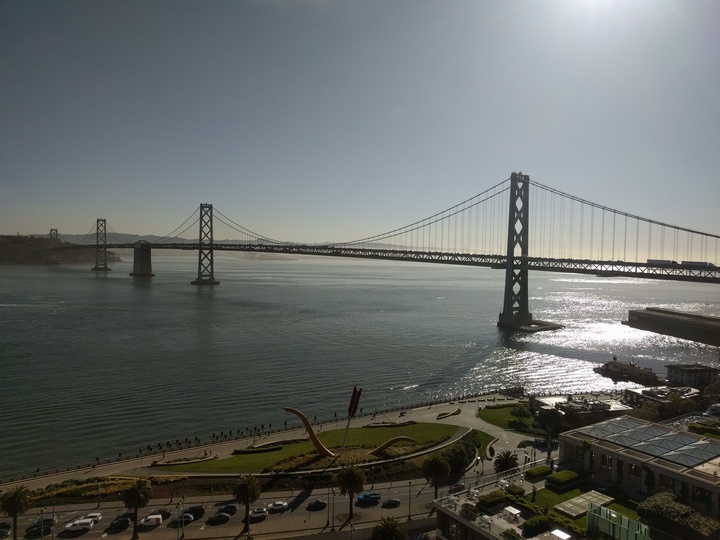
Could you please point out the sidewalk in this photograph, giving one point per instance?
(139, 466)
(304, 523)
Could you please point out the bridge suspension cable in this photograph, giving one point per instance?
(454, 229)
(89, 236)
(118, 235)
(567, 226)
(180, 229)
(247, 235)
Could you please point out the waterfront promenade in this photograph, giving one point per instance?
(416, 495)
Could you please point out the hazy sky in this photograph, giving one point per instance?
(332, 120)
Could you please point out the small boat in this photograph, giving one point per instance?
(628, 371)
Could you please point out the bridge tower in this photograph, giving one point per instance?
(54, 256)
(516, 310)
(101, 247)
(206, 268)
(516, 313)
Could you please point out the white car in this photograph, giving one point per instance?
(277, 506)
(258, 513)
(95, 516)
(83, 525)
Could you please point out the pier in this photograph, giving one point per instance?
(680, 324)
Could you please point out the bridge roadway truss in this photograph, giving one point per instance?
(570, 266)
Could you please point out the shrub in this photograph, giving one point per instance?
(537, 472)
(564, 480)
(516, 491)
(663, 508)
(469, 510)
(258, 450)
(492, 499)
(525, 443)
(536, 525)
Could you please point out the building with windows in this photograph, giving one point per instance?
(645, 457)
(695, 375)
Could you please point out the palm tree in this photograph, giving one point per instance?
(247, 491)
(389, 528)
(350, 480)
(505, 461)
(134, 498)
(14, 503)
(435, 469)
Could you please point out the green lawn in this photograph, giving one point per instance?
(358, 439)
(622, 504)
(500, 417)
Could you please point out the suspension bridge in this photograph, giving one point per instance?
(502, 228)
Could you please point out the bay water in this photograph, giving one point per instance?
(95, 365)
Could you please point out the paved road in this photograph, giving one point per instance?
(416, 497)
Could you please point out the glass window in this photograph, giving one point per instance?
(579, 452)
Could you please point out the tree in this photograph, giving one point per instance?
(435, 469)
(648, 411)
(350, 480)
(520, 412)
(550, 420)
(389, 528)
(14, 503)
(135, 497)
(505, 461)
(246, 492)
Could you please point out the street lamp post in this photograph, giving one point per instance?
(181, 518)
(42, 524)
(409, 498)
(332, 527)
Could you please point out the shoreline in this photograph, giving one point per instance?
(139, 465)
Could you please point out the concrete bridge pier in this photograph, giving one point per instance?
(142, 260)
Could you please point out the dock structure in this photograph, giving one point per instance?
(701, 328)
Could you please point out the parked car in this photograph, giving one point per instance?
(83, 525)
(196, 511)
(456, 487)
(391, 503)
(120, 524)
(95, 516)
(368, 498)
(258, 513)
(164, 513)
(277, 506)
(34, 531)
(184, 519)
(153, 520)
(219, 518)
(47, 521)
(228, 509)
(317, 504)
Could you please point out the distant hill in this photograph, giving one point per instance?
(37, 250)
(119, 238)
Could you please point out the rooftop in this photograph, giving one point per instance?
(689, 368)
(657, 440)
